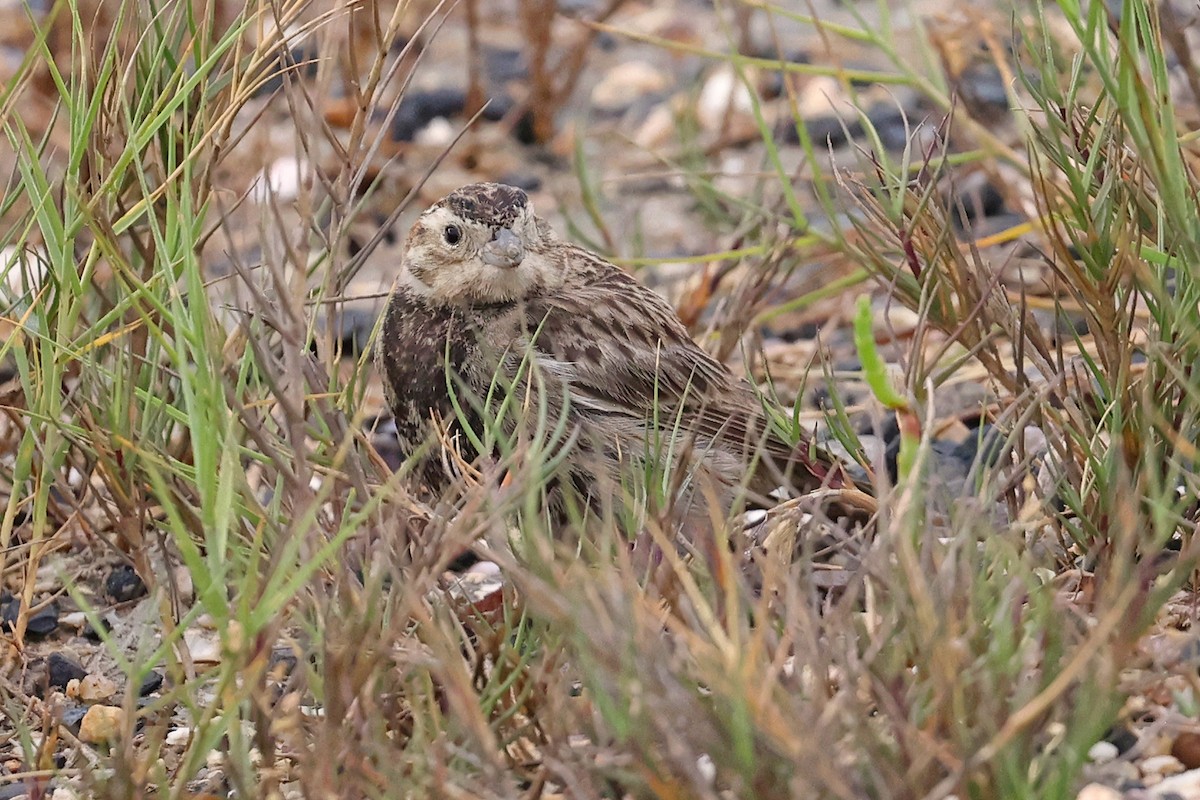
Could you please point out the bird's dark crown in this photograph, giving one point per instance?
(493, 204)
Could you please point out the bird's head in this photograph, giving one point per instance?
(480, 245)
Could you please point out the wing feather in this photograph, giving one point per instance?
(631, 365)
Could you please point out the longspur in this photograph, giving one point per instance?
(486, 290)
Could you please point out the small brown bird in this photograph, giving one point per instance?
(486, 289)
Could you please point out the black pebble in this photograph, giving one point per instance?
(61, 669)
(497, 107)
(289, 63)
(9, 606)
(523, 130)
(825, 131)
(1123, 738)
(123, 584)
(45, 621)
(11, 791)
(981, 87)
(354, 330)
(72, 716)
(418, 109)
(985, 444)
(893, 125)
(384, 440)
(522, 180)
(973, 205)
(93, 635)
(151, 683)
(505, 64)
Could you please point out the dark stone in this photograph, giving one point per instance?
(1123, 738)
(11, 791)
(892, 125)
(523, 130)
(462, 561)
(123, 584)
(418, 109)
(505, 64)
(282, 662)
(289, 63)
(385, 441)
(9, 608)
(151, 683)
(985, 444)
(61, 669)
(981, 87)
(71, 717)
(522, 180)
(605, 42)
(354, 331)
(93, 635)
(43, 622)
(497, 107)
(825, 131)
(975, 204)
(805, 332)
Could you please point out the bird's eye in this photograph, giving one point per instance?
(452, 234)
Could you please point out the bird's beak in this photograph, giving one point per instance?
(504, 250)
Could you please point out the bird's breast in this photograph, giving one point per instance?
(419, 347)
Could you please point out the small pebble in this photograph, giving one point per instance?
(723, 95)
(44, 621)
(62, 669)
(123, 584)
(282, 180)
(72, 717)
(353, 331)
(440, 132)
(101, 724)
(1102, 752)
(627, 82)
(178, 737)
(94, 688)
(1098, 791)
(1186, 748)
(1183, 785)
(90, 633)
(522, 180)
(10, 607)
(1161, 765)
(75, 619)
(11, 791)
(151, 683)
(203, 645)
(505, 64)
(418, 109)
(1122, 738)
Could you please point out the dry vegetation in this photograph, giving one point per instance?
(178, 402)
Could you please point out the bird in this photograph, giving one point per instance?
(487, 291)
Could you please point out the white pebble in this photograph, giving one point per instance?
(724, 93)
(178, 737)
(281, 180)
(1161, 765)
(1098, 791)
(707, 769)
(438, 133)
(1102, 752)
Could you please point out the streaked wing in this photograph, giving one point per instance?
(626, 356)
